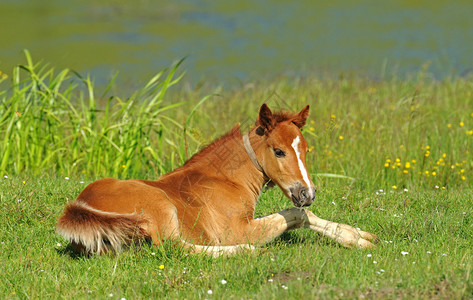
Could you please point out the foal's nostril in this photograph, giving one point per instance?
(303, 194)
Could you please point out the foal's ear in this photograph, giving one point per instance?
(266, 119)
(300, 118)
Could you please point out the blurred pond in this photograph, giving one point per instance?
(230, 41)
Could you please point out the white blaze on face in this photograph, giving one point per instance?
(305, 176)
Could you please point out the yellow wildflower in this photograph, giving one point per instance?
(340, 137)
(24, 182)
(161, 267)
(405, 171)
(463, 177)
(333, 117)
(470, 132)
(449, 125)
(434, 173)
(386, 165)
(414, 161)
(462, 124)
(394, 187)
(407, 165)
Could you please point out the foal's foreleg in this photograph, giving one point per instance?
(272, 226)
(346, 235)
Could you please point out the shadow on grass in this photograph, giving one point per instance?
(302, 237)
(71, 252)
(145, 246)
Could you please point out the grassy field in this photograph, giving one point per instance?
(391, 156)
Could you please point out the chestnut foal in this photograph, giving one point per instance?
(208, 204)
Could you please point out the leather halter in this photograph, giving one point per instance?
(251, 153)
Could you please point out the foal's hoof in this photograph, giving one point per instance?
(365, 244)
(368, 236)
(366, 240)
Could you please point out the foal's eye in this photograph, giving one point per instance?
(279, 153)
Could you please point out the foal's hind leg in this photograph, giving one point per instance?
(217, 251)
(168, 228)
(270, 227)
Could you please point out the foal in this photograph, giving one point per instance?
(208, 204)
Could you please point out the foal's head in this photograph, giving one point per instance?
(284, 152)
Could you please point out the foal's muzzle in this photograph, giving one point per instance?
(302, 196)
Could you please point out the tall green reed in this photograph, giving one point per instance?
(55, 123)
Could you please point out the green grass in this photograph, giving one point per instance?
(356, 127)
(34, 265)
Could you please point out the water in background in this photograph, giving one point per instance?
(230, 41)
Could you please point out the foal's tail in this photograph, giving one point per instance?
(95, 232)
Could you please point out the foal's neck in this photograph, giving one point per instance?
(229, 160)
